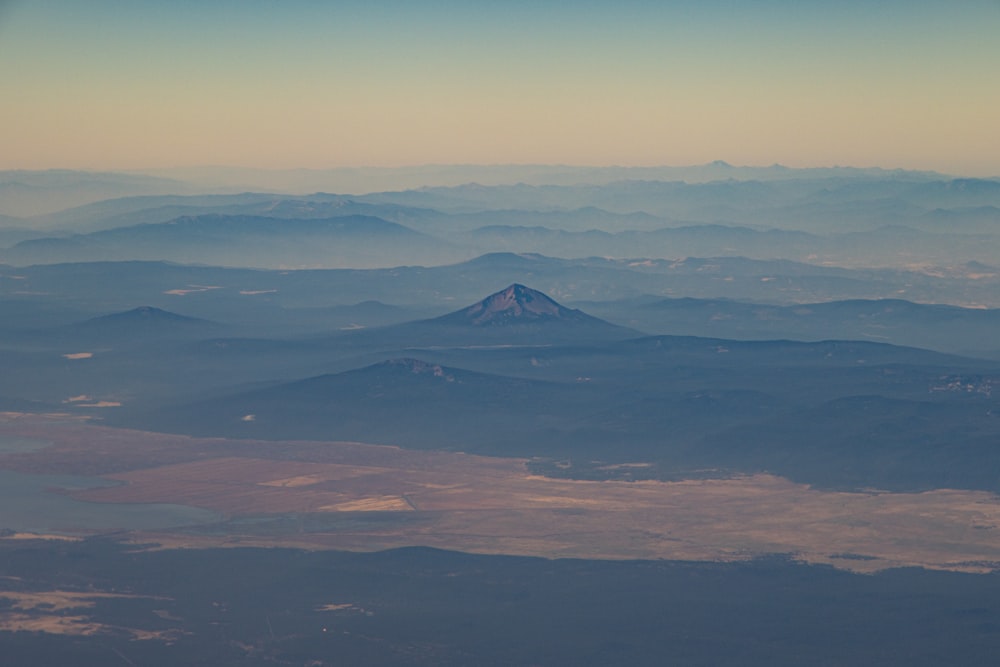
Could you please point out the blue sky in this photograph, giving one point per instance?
(109, 84)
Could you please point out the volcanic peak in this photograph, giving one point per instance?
(516, 303)
(146, 314)
(415, 366)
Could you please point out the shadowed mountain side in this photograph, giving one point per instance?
(401, 401)
(663, 356)
(659, 371)
(662, 367)
(678, 403)
(947, 328)
(871, 442)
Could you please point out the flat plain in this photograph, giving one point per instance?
(366, 497)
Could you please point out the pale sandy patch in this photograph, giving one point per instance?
(376, 504)
(624, 466)
(53, 625)
(46, 611)
(190, 289)
(41, 536)
(301, 480)
(61, 600)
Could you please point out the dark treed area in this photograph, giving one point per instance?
(422, 606)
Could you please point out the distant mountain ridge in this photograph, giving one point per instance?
(244, 240)
(146, 315)
(934, 326)
(35, 192)
(144, 322)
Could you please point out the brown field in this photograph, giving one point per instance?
(46, 611)
(493, 505)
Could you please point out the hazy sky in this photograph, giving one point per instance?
(117, 84)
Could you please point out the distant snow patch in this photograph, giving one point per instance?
(192, 288)
(78, 355)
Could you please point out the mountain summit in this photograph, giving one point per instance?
(143, 316)
(516, 305)
(140, 323)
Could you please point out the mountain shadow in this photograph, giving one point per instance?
(399, 401)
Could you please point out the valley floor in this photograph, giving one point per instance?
(363, 497)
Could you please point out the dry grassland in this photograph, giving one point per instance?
(493, 505)
(46, 612)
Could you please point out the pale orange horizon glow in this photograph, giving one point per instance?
(138, 95)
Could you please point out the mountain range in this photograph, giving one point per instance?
(517, 374)
(846, 217)
(769, 365)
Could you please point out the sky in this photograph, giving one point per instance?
(137, 84)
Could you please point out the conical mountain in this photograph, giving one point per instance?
(516, 315)
(145, 315)
(140, 323)
(518, 305)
